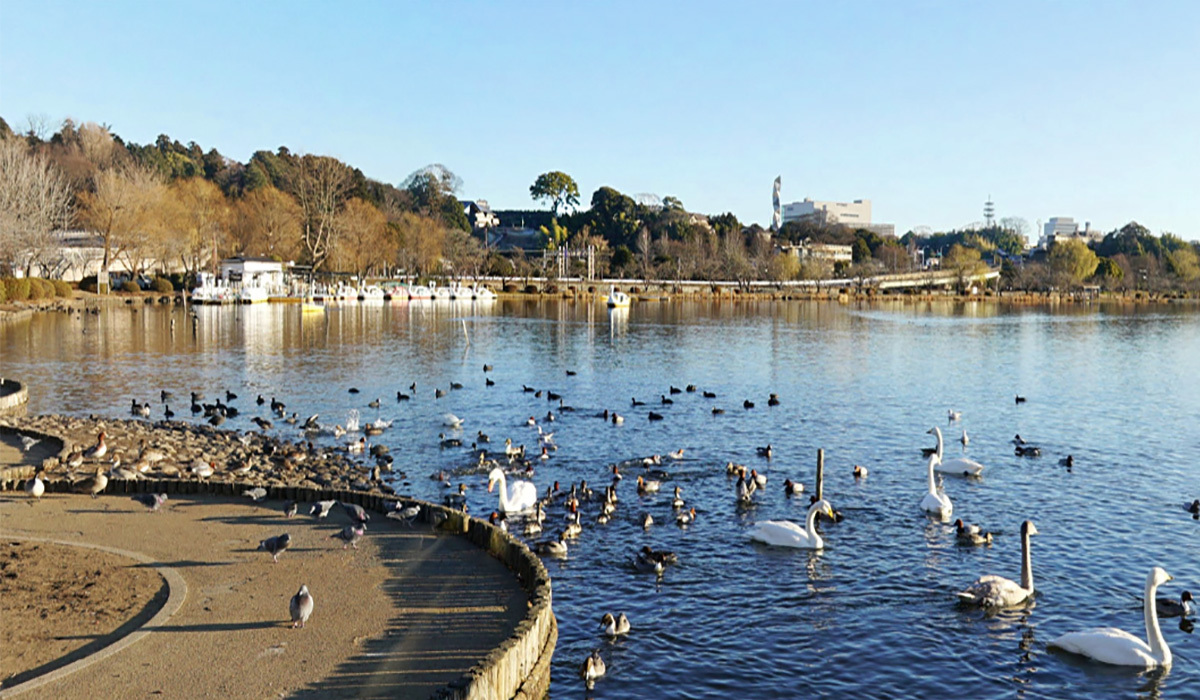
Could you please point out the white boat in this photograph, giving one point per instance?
(371, 293)
(212, 290)
(481, 293)
(344, 292)
(419, 291)
(252, 294)
(616, 299)
(439, 293)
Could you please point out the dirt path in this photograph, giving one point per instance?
(406, 613)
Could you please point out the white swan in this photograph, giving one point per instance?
(936, 503)
(1113, 646)
(998, 592)
(785, 533)
(522, 497)
(957, 466)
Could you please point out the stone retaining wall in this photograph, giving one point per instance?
(13, 395)
(519, 668)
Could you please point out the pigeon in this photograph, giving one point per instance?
(28, 442)
(406, 515)
(350, 535)
(256, 494)
(152, 501)
(321, 508)
(35, 487)
(289, 509)
(356, 512)
(301, 607)
(276, 545)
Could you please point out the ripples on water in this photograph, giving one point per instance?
(871, 616)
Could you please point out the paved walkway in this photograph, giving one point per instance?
(406, 613)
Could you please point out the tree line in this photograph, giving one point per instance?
(167, 201)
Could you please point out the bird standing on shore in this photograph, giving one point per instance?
(98, 450)
(276, 545)
(152, 501)
(35, 487)
(350, 534)
(92, 484)
(301, 607)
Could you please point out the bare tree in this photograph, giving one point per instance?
(35, 200)
(420, 242)
(268, 223)
(119, 209)
(361, 242)
(200, 223)
(320, 185)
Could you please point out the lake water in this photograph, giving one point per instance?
(874, 614)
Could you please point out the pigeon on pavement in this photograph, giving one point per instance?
(256, 494)
(350, 535)
(321, 508)
(276, 545)
(289, 509)
(153, 501)
(301, 607)
(356, 512)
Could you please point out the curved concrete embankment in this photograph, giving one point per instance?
(385, 664)
(13, 395)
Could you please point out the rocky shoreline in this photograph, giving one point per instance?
(183, 449)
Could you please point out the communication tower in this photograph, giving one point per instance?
(989, 212)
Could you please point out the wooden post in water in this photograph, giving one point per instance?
(820, 473)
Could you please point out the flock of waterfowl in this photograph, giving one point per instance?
(519, 502)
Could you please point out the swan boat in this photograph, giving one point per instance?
(616, 299)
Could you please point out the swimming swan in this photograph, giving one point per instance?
(957, 466)
(936, 503)
(1113, 646)
(998, 592)
(522, 497)
(785, 533)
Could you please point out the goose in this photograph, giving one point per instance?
(956, 466)
(98, 450)
(677, 502)
(644, 487)
(1169, 607)
(1117, 647)
(522, 497)
(792, 488)
(936, 503)
(603, 518)
(35, 487)
(971, 534)
(554, 548)
(998, 592)
(647, 521)
(615, 626)
(677, 454)
(686, 517)
(592, 668)
(860, 472)
(785, 533)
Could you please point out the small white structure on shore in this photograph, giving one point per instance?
(254, 279)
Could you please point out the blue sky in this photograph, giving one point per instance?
(1086, 109)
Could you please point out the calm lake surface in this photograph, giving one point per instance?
(874, 614)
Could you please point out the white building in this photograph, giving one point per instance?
(253, 272)
(853, 215)
(826, 252)
(1061, 228)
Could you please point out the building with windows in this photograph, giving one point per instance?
(1061, 228)
(824, 252)
(852, 215)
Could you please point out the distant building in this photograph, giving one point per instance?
(480, 214)
(852, 215)
(509, 238)
(80, 254)
(1060, 228)
(253, 272)
(824, 252)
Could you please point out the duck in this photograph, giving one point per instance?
(1194, 507)
(644, 487)
(677, 502)
(1020, 399)
(965, 440)
(93, 484)
(732, 469)
(616, 472)
(1018, 440)
(662, 556)
(617, 419)
(654, 416)
(635, 402)
(1027, 451)
(592, 668)
(35, 487)
(785, 533)
(765, 451)
(744, 494)
(498, 520)
(533, 528)
(995, 592)
(773, 400)
(747, 404)
(955, 466)
(860, 472)
(934, 502)
(615, 626)
(666, 401)
(675, 390)
(1068, 461)
(686, 517)
(953, 416)
(760, 480)
(717, 411)
(554, 548)
(709, 394)
(98, 450)
(1169, 607)
(449, 442)
(647, 521)
(1117, 647)
(690, 388)
(677, 454)
(792, 488)
(971, 534)
(202, 469)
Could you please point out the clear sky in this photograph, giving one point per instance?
(1088, 109)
